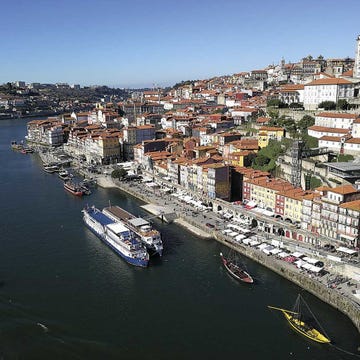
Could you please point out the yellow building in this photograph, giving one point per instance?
(267, 133)
(238, 158)
(293, 204)
(263, 190)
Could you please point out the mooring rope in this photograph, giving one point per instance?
(344, 351)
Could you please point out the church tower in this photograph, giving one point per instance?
(357, 59)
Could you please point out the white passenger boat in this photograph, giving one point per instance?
(116, 235)
(150, 237)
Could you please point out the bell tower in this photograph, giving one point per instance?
(357, 59)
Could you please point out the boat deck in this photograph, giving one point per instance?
(100, 217)
(119, 213)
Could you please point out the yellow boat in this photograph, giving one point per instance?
(294, 319)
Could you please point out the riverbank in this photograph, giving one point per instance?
(312, 284)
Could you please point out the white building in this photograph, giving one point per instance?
(327, 89)
(335, 120)
(320, 131)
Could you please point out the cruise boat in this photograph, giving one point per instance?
(116, 235)
(150, 237)
(73, 188)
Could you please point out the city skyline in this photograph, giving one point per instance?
(143, 44)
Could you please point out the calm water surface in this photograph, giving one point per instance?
(65, 295)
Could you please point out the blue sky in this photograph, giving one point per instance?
(132, 43)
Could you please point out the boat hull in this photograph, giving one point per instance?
(132, 261)
(73, 191)
(240, 274)
(310, 333)
(100, 227)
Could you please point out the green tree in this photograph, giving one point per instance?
(118, 173)
(309, 141)
(327, 105)
(342, 104)
(296, 105)
(314, 183)
(305, 122)
(266, 157)
(344, 158)
(274, 115)
(276, 103)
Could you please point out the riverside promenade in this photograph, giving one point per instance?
(340, 298)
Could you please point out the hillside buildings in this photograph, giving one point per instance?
(203, 135)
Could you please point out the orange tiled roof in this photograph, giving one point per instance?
(271, 128)
(353, 141)
(328, 129)
(331, 138)
(329, 81)
(263, 119)
(344, 189)
(291, 87)
(337, 115)
(348, 73)
(351, 205)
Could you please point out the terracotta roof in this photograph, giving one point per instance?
(328, 129)
(271, 183)
(331, 138)
(271, 128)
(337, 115)
(263, 119)
(291, 87)
(349, 73)
(344, 189)
(251, 173)
(351, 205)
(353, 141)
(329, 81)
(296, 193)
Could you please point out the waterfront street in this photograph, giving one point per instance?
(208, 224)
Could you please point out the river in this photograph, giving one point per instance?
(66, 295)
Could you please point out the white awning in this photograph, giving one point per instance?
(240, 237)
(275, 251)
(267, 249)
(334, 258)
(268, 213)
(346, 250)
(315, 269)
(310, 260)
(251, 204)
(227, 231)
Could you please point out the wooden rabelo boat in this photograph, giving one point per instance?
(297, 321)
(235, 269)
